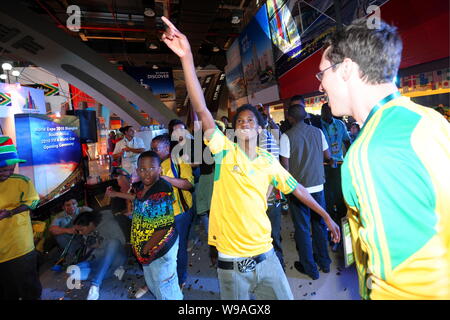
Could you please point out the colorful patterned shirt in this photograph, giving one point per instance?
(16, 234)
(239, 225)
(153, 211)
(396, 182)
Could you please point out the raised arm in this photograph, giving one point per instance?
(179, 44)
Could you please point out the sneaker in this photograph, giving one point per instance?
(140, 293)
(300, 269)
(94, 293)
(120, 271)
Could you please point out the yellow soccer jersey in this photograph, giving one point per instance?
(186, 173)
(16, 234)
(239, 225)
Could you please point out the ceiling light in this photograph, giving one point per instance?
(215, 49)
(3, 76)
(155, 67)
(152, 46)
(149, 12)
(7, 66)
(15, 73)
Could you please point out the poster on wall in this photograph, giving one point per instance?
(234, 73)
(52, 150)
(299, 28)
(19, 99)
(50, 89)
(159, 81)
(257, 60)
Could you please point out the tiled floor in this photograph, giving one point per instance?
(202, 283)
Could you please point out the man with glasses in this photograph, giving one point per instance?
(395, 176)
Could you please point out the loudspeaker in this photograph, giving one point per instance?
(88, 124)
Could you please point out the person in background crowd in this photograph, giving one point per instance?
(338, 139)
(154, 237)
(105, 254)
(111, 142)
(239, 227)
(311, 119)
(63, 230)
(354, 131)
(128, 149)
(302, 152)
(179, 175)
(395, 177)
(19, 278)
(268, 142)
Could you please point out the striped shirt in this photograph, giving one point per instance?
(396, 182)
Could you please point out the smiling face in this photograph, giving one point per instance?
(335, 87)
(149, 170)
(70, 206)
(247, 126)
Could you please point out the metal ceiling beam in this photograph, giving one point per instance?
(28, 36)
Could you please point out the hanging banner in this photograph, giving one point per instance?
(50, 89)
(159, 81)
(257, 60)
(18, 99)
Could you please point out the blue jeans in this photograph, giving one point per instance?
(106, 260)
(274, 214)
(161, 276)
(306, 222)
(268, 281)
(183, 223)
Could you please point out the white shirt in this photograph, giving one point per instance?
(129, 159)
(285, 151)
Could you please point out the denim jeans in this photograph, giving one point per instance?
(183, 223)
(106, 260)
(274, 214)
(161, 276)
(306, 222)
(267, 282)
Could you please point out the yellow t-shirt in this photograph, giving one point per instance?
(16, 234)
(186, 173)
(239, 225)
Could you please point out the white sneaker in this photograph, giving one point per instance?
(141, 292)
(120, 271)
(94, 293)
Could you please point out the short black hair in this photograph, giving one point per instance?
(251, 108)
(162, 138)
(173, 123)
(125, 129)
(149, 154)
(85, 218)
(298, 97)
(297, 112)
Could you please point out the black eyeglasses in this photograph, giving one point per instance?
(319, 75)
